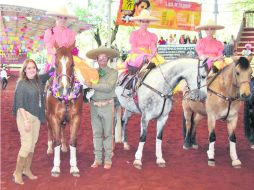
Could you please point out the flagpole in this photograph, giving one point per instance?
(109, 23)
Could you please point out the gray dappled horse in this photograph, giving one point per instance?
(155, 98)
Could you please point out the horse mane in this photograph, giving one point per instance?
(243, 63)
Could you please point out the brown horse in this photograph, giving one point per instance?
(225, 89)
(64, 104)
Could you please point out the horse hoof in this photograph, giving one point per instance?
(139, 167)
(186, 147)
(252, 146)
(195, 146)
(55, 174)
(126, 146)
(161, 165)
(75, 174)
(50, 151)
(236, 163)
(211, 162)
(137, 164)
(64, 148)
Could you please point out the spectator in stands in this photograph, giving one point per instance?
(174, 41)
(187, 40)
(171, 39)
(182, 39)
(231, 45)
(4, 77)
(248, 50)
(194, 41)
(161, 41)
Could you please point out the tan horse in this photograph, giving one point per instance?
(64, 105)
(223, 102)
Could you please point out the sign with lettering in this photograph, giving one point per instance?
(174, 51)
(12, 59)
(172, 14)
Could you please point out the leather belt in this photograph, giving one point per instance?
(102, 103)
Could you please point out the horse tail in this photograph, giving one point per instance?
(249, 120)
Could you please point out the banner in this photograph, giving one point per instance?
(173, 14)
(12, 60)
(174, 51)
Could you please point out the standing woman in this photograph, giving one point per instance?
(28, 107)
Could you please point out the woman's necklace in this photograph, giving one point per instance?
(37, 88)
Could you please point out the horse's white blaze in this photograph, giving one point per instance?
(64, 61)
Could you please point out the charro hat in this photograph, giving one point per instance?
(210, 24)
(60, 11)
(93, 54)
(144, 16)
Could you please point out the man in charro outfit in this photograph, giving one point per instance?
(102, 105)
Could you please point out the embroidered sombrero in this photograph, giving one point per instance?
(60, 11)
(144, 16)
(210, 24)
(93, 54)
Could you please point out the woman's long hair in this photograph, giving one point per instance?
(23, 75)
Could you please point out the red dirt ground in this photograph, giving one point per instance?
(185, 169)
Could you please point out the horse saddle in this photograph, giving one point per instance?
(131, 83)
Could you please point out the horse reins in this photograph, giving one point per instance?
(164, 96)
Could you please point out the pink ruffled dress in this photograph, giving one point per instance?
(209, 47)
(143, 44)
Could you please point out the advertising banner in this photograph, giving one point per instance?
(173, 14)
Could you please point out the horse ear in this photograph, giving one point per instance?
(235, 58)
(249, 58)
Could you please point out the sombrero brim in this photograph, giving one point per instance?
(212, 27)
(93, 54)
(55, 14)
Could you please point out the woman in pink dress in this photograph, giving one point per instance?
(210, 48)
(143, 44)
(61, 36)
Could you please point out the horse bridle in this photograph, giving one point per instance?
(199, 78)
(229, 99)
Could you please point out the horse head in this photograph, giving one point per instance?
(242, 76)
(64, 70)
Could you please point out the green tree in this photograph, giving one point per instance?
(96, 16)
(238, 7)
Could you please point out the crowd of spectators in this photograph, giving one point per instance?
(174, 40)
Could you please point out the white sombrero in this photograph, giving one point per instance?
(93, 54)
(144, 16)
(60, 11)
(210, 24)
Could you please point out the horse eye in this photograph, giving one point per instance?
(203, 76)
(237, 73)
